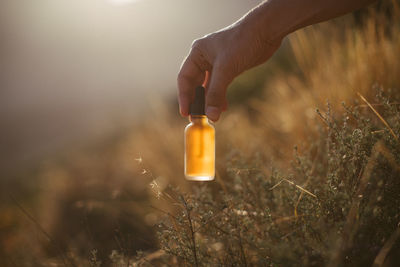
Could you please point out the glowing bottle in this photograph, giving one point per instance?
(199, 142)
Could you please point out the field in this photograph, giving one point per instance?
(308, 168)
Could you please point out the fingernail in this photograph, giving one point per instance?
(213, 113)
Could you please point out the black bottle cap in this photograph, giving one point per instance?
(197, 107)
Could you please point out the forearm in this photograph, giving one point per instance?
(275, 19)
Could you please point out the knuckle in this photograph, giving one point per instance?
(184, 80)
(198, 43)
(183, 77)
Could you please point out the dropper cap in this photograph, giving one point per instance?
(197, 107)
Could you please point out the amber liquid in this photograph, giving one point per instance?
(199, 149)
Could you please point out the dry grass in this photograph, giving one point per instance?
(121, 183)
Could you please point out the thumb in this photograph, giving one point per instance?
(216, 93)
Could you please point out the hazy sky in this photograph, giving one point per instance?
(71, 68)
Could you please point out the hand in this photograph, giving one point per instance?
(216, 59)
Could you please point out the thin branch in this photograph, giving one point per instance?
(296, 185)
(305, 183)
(276, 185)
(297, 203)
(241, 246)
(192, 232)
(352, 220)
(324, 120)
(379, 116)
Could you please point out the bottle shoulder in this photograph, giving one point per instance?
(200, 127)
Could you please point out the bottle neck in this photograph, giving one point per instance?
(198, 119)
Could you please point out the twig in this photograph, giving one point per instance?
(276, 185)
(351, 224)
(298, 186)
(324, 120)
(287, 218)
(377, 131)
(301, 188)
(297, 203)
(192, 232)
(379, 116)
(241, 246)
(306, 182)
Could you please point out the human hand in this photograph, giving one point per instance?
(216, 59)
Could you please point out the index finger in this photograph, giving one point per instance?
(190, 75)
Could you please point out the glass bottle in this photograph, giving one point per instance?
(199, 142)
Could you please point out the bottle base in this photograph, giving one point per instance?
(199, 178)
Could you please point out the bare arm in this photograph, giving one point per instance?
(248, 42)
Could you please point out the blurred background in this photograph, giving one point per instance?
(76, 70)
(89, 127)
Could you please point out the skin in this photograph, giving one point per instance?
(219, 57)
